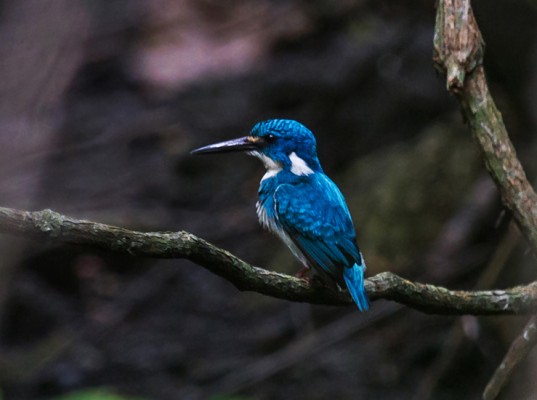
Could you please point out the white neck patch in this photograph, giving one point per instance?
(299, 166)
(272, 166)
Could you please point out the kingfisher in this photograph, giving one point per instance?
(301, 204)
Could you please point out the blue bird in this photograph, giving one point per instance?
(302, 205)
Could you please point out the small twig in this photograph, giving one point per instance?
(58, 228)
(519, 349)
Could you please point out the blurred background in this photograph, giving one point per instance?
(100, 104)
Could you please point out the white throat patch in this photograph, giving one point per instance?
(272, 166)
(299, 166)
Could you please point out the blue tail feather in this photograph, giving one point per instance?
(354, 278)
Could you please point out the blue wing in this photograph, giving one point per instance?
(314, 214)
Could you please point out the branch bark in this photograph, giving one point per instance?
(458, 52)
(519, 349)
(56, 228)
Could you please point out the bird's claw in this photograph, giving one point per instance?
(303, 273)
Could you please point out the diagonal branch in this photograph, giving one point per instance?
(499, 154)
(519, 349)
(56, 228)
(458, 51)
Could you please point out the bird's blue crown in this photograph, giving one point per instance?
(283, 137)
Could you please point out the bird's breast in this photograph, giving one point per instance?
(269, 221)
(267, 217)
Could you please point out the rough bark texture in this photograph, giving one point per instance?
(499, 154)
(459, 52)
(458, 45)
(53, 227)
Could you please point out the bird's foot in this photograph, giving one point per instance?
(303, 273)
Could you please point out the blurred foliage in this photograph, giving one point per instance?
(421, 180)
(95, 394)
(229, 397)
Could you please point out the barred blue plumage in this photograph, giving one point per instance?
(301, 204)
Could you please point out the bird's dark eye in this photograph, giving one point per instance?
(270, 138)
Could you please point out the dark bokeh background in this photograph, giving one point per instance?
(101, 102)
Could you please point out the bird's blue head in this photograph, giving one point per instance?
(279, 143)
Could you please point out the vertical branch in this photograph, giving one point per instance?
(458, 45)
(458, 52)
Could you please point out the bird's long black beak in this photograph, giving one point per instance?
(247, 143)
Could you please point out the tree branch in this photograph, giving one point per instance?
(519, 349)
(57, 228)
(458, 52)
